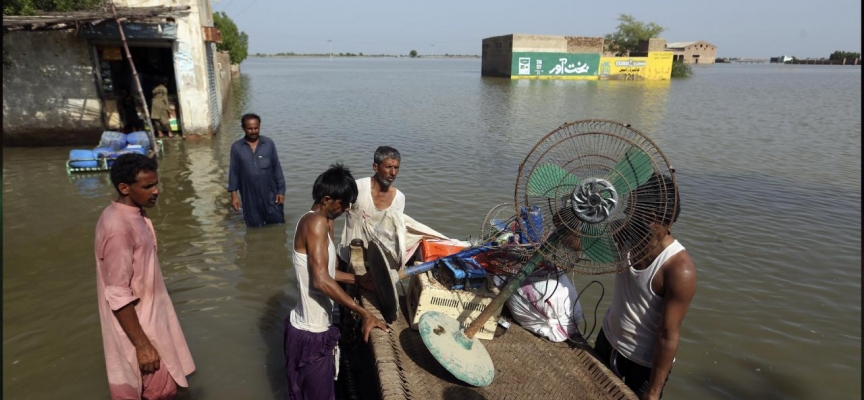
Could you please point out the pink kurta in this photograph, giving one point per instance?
(127, 270)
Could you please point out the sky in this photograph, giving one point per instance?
(748, 29)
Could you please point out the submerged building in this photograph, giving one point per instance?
(700, 52)
(519, 56)
(66, 75)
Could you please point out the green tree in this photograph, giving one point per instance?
(413, 53)
(681, 70)
(839, 55)
(31, 7)
(628, 34)
(236, 43)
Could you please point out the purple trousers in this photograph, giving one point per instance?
(310, 363)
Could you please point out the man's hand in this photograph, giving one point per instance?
(369, 322)
(280, 198)
(148, 358)
(235, 201)
(365, 281)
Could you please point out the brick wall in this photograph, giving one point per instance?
(583, 44)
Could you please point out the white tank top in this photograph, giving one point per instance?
(313, 312)
(632, 320)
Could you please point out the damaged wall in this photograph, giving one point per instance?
(49, 90)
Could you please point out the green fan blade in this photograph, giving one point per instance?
(634, 169)
(600, 249)
(545, 180)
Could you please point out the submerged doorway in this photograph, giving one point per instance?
(122, 102)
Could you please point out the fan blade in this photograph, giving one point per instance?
(600, 249)
(546, 178)
(634, 169)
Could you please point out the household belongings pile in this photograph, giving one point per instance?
(112, 145)
(546, 303)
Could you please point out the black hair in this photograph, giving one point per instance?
(126, 168)
(336, 182)
(249, 116)
(660, 196)
(384, 152)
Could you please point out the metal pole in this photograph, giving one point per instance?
(137, 82)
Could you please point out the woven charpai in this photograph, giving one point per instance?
(526, 367)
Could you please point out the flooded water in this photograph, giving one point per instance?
(769, 168)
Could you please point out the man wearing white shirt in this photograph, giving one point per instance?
(376, 195)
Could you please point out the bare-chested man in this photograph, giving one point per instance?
(310, 336)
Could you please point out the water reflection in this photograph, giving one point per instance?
(768, 165)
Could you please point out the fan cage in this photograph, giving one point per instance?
(579, 151)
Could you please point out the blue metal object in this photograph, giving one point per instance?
(457, 273)
(421, 268)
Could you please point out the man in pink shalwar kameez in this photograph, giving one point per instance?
(145, 352)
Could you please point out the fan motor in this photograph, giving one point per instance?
(594, 200)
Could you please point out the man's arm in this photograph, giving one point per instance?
(234, 178)
(148, 357)
(679, 286)
(278, 175)
(315, 233)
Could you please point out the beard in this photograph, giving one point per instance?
(385, 184)
(252, 138)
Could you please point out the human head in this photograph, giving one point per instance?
(251, 124)
(134, 177)
(386, 165)
(336, 184)
(659, 197)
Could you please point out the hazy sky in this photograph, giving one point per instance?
(753, 28)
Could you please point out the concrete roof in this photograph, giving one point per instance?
(678, 45)
(72, 19)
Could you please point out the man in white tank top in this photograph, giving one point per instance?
(376, 195)
(310, 338)
(640, 331)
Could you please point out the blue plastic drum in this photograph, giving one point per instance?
(83, 159)
(140, 138)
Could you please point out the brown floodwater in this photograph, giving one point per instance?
(769, 168)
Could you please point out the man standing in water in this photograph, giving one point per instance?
(310, 337)
(376, 195)
(145, 351)
(255, 176)
(640, 332)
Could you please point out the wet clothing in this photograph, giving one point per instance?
(633, 318)
(127, 271)
(626, 340)
(258, 176)
(314, 309)
(364, 210)
(635, 376)
(310, 359)
(310, 338)
(159, 110)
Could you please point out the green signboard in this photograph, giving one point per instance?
(555, 65)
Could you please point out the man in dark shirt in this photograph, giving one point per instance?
(255, 176)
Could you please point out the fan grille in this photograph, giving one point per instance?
(583, 177)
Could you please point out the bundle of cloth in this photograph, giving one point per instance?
(396, 232)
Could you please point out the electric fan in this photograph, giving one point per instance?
(586, 178)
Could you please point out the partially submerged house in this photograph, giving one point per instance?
(520, 56)
(65, 75)
(699, 52)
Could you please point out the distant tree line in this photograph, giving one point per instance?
(839, 55)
